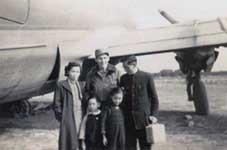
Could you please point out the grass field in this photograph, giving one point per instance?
(209, 132)
(40, 132)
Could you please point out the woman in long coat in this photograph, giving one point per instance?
(67, 107)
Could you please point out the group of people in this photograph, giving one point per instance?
(111, 112)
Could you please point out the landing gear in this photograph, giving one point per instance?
(192, 63)
(200, 98)
(20, 108)
(196, 91)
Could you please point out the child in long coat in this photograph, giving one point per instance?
(113, 129)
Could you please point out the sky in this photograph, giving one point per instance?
(140, 13)
(182, 10)
(144, 14)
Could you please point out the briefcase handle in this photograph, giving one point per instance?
(152, 120)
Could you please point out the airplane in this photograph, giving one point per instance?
(37, 41)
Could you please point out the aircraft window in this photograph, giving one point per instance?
(16, 11)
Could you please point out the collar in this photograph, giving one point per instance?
(66, 85)
(110, 68)
(137, 72)
(76, 83)
(94, 113)
(116, 107)
(73, 82)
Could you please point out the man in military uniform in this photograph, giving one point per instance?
(139, 105)
(101, 78)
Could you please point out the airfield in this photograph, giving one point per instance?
(40, 130)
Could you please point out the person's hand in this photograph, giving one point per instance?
(82, 144)
(83, 147)
(58, 116)
(153, 119)
(104, 140)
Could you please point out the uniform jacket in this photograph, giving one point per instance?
(99, 86)
(142, 98)
(63, 108)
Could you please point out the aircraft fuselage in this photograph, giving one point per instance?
(31, 59)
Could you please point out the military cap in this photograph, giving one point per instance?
(129, 59)
(99, 52)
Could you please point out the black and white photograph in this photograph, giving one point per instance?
(113, 75)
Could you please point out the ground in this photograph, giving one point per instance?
(40, 131)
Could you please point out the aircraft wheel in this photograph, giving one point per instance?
(21, 108)
(200, 98)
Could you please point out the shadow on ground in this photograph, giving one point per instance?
(41, 118)
(205, 126)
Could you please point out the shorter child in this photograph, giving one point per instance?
(90, 131)
(112, 124)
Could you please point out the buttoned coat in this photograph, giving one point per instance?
(63, 108)
(140, 100)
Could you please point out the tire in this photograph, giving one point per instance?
(200, 98)
(21, 108)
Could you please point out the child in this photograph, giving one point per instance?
(90, 131)
(112, 126)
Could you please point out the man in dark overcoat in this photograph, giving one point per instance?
(140, 103)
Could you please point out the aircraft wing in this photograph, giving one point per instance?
(178, 37)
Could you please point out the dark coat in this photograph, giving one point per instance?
(140, 99)
(112, 125)
(63, 108)
(93, 136)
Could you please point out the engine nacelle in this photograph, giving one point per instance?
(197, 60)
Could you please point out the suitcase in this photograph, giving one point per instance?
(155, 133)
